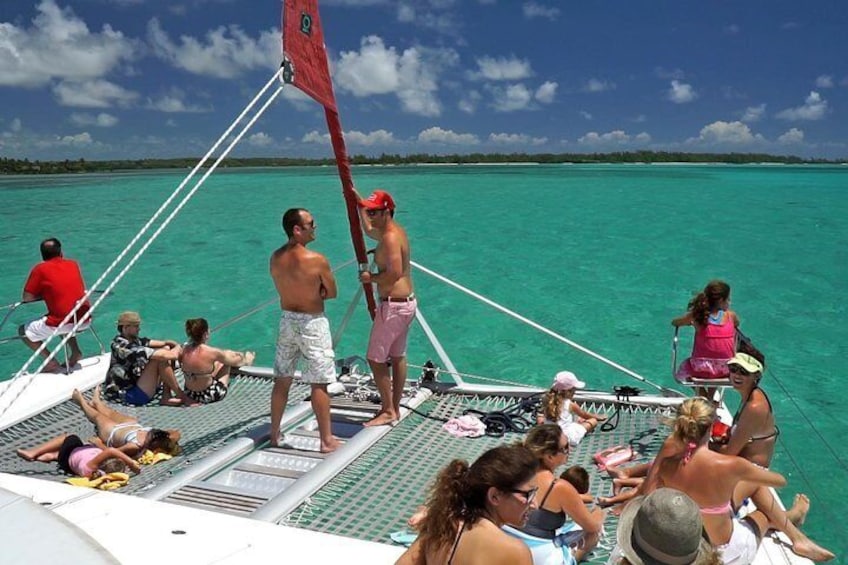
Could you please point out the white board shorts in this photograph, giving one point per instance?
(743, 544)
(38, 330)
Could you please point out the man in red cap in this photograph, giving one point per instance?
(397, 302)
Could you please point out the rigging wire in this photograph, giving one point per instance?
(27, 378)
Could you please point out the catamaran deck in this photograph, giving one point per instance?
(353, 503)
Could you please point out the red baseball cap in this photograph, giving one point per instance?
(379, 200)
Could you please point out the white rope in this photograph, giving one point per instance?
(537, 326)
(137, 237)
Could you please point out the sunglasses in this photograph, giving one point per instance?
(740, 371)
(372, 213)
(528, 495)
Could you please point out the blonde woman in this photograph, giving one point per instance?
(719, 483)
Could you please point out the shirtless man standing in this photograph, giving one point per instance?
(304, 281)
(397, 302)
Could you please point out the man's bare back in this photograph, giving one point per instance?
(303, 279)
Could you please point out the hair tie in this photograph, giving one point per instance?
(690, 449)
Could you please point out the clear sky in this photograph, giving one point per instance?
(106, 79)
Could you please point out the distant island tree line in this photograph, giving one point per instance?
(25, 166)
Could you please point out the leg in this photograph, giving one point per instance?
(279, 399)
(640, 470)
(383, 380)
(103, 424)
(321, 407)
(223, 374)
(46, 452)
(171, 387)
(589, 424)
(586, 545)
(52, 366)
(109, 413)
(398, 382)
(76, 352)
(772, 516)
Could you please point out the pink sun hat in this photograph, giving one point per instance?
(566, 380)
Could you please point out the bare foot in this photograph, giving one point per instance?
(604, 501)
(95, 397)
(805, 547)
(27, 454)
(798, 513)
(74, 359)
(330, 446)
(381, 419)
(52, 366)
(48, 457)
(415, 520)
(77, 397)
(172, 401)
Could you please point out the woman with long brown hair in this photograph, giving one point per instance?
(467, 507)
(715, 332)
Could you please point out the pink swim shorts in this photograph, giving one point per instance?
(390, 329)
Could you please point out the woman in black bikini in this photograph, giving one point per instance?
(206, 368)
(467, 507)
(559, 500)
(754, 432)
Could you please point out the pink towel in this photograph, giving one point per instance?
(465, 426)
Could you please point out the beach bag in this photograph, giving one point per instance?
(613, 456)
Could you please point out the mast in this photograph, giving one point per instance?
(305, 66)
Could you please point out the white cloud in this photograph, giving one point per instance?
(102, 119)
(720, 132)
(377, 137)
(93, 94)
(173, 102)
(225, 52)
(754, 113)
(516, 139)
(536, 10)
(468, 103)
(59, 45)
(681, 93)
(411, 76)
(598, 85)
(79, 139)
(501, 68)
(732, 29)
(512, 98)
(15, 126)
(794, 135)
(260, 139)
(585, 115)
(315, 136)
(447, 137)
(814, 108)
(545, 93)
(824, 81)
(615, 137)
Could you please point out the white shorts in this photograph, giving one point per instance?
(743, 544)
(575, 432)
(307, 337)
(38, 330)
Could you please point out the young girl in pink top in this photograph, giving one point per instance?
(78, 458)
(715, 333)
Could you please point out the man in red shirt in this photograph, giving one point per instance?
(57, 281)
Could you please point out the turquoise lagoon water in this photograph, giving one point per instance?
(604, 254)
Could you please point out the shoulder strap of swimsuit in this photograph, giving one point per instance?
(550, 488)
(456, 543)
